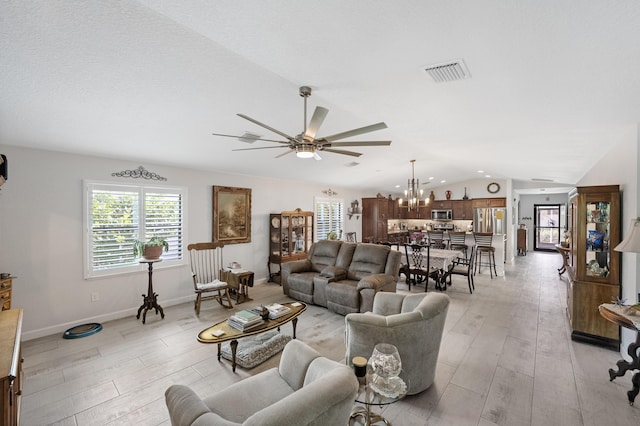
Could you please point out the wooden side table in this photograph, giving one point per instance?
(616, 314)
(150, 300)
(239, 283)
(565, 252)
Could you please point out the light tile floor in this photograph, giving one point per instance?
(506, 359)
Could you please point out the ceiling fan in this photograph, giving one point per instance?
(306, 145)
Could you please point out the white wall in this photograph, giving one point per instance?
(41, 211)
(620, 167)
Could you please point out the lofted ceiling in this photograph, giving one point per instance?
(553, 84)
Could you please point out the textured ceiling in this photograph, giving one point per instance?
(554, 83)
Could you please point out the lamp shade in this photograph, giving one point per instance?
(631, 244)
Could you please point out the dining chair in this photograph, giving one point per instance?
(457, 241)
(417, 268)
(464, 267)
(206, 262)
(436, 239)
(484, 246)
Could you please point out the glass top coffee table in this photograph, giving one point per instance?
(369, 397)
(222, 332)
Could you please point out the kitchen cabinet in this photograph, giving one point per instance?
(462, 209)
(441, 204)
(594, 267)
(375, 217)
(290, 238)
(489, 202)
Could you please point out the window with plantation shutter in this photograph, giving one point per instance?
(117, 215)
(329, 217)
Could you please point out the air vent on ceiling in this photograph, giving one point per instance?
(352, 164)
(248, 137)
(541, 180)
(448, 71)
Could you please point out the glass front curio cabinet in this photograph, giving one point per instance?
(290, 238)
(594, 270)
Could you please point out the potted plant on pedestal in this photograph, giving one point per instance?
(151, 249)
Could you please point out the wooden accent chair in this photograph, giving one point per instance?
(464, 267)
(206, 263)
(417, 267)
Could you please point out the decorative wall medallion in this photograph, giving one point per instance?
(493, 187)
(140, 172)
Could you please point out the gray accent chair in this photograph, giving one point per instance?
(306, 389)
(412, 323)
(343, 277)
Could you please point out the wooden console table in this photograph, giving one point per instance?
(150, 300)
(565, 252)
(615, 314)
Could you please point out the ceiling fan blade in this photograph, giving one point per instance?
(341, 151)
(355, 132)
(359, 143)
(259, 147)
(316, 121)
(285, 153)
(284, 135)
(316, 156)
(257, 139)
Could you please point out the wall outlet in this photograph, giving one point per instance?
(95, 296)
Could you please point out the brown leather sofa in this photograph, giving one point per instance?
(343, 277)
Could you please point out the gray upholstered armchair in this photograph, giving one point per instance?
(413, 323)
(306, 389)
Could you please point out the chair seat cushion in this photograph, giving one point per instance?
(213, 285)
(243, 399)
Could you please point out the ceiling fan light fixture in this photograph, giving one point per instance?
(305, 151)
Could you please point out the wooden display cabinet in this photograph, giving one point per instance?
(5, 293)
(290, 238)
(594, 267)
(10, 366)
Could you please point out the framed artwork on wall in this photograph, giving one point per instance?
(231, 215)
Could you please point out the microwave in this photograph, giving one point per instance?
(446, 214)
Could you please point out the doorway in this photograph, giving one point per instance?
(548, 220)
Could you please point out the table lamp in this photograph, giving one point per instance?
(631, 244)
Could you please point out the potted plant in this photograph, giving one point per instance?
(332, 235)
(151, 249)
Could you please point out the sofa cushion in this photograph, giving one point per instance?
(342, 297)
(324, 254)
(368, 259)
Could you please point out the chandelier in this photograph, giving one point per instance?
(413, 193)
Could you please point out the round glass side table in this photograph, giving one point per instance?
(369, 397)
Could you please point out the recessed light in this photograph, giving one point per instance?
(487, 175)
(397, 186)
(431, 178)
(480, 171)
(443, 181)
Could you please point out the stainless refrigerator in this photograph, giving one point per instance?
(490, 219)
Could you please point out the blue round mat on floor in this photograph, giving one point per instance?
(82, 330)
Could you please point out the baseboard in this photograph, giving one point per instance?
(131, 312)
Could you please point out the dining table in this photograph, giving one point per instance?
(440, 260)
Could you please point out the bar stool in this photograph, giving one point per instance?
(457, 241)
(483, 246)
